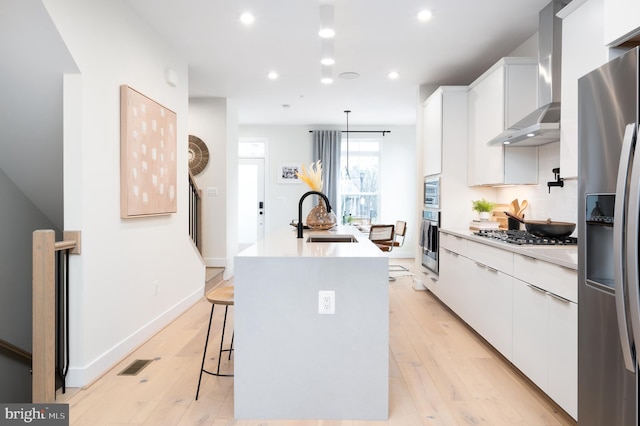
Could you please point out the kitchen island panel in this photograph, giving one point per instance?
(292, 362)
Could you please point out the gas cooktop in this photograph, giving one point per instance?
(522, 237)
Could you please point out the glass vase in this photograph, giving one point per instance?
(320, 218)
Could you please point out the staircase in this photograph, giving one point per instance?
(213, 277)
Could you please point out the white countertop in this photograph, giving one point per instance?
(566, 256)
(283, 243)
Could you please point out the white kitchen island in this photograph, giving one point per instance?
(292, 362)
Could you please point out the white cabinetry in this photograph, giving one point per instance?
(583, 50)
(477, 289)
(453, 265)
(433, 134)
(530, 323)
(445, 148)
(499, 98)
(621, 20)
(545, 328)
(524, 307)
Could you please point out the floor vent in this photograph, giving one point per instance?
(135, 367)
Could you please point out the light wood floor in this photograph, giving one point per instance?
(441, 373)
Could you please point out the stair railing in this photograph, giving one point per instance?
(195, 213)
(23, 355)
(51, 311)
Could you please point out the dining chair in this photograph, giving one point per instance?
(400, 231)
(382, 236)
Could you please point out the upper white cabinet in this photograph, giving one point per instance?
(432, 139)
(499, 98)
(583, 50)
(445, 148)
(621, 20)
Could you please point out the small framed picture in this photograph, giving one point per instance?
(287, 172)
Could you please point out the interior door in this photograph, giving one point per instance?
(251, 207)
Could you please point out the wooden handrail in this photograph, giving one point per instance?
(44, 310)
(16, 350)
(64, 245)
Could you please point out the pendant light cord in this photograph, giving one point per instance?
(347, 113)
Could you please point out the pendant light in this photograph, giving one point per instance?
(326, 21)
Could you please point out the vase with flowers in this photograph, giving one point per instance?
(318, 217)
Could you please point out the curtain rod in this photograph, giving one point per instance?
(361, 131)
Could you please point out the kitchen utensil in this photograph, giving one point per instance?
(523, 206)
(547, 228)
(515, 207)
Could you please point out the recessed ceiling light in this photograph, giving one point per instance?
(393, 75)
(272, 75)
(424, 15)
(247, 18)
(349, 75)
(326, 80)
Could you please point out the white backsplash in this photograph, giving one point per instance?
(561, 204)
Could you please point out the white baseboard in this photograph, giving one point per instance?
(78, 377)
(215, 262)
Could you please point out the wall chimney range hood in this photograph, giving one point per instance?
(542, 126)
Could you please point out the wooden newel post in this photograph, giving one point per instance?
(43, 316)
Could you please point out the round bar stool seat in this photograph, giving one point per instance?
(218, 296)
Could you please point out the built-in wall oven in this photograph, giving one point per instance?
(429, 237)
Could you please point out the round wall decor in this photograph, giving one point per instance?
(198, 155)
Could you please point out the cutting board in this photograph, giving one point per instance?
(499, 216)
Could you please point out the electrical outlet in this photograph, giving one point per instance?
(327, 302)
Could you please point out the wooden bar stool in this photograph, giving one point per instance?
(217, 296)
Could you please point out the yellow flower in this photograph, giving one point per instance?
(313, 176)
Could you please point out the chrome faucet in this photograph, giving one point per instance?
(305, 195)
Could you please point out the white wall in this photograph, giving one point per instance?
(294, 144)
(559, 204)
(134, 275)
(208, 121)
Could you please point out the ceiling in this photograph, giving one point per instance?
(373, 37)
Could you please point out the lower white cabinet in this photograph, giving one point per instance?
(492, 307)
(524, 307)
(562, 373)
(545, 342)
(530, 330)
(452, 279)
(478, 293)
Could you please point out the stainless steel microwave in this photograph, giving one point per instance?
(432, 192)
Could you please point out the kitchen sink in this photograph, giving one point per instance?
(332, 238)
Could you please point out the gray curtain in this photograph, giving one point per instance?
(326, 147)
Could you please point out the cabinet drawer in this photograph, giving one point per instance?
(453, 243)
(552, 278)
(492, 257)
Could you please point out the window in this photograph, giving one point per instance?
(358, 193)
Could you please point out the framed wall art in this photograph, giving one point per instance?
(147, 156)
(287, 172)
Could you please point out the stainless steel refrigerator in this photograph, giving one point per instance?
(608, 215)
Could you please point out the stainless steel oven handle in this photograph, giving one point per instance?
(632, 228)
(619, 225)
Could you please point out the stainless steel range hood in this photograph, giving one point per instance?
(542, 126)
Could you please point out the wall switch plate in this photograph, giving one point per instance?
(327, 302)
